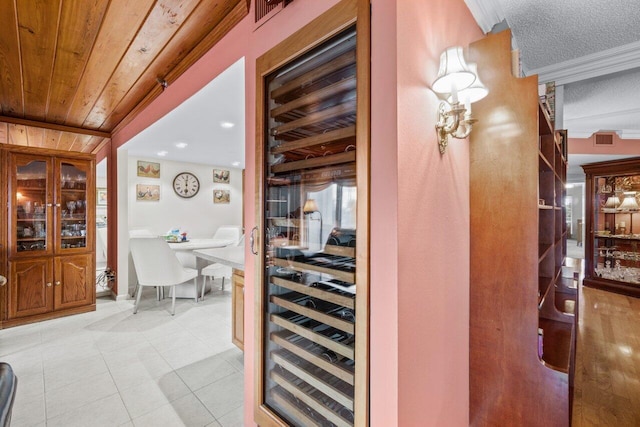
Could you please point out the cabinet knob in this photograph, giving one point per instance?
(49, 285)
(58, 205)
(58, 283)
(49, 205)
(3, 281)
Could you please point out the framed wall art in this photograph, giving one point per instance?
(146, 192)
(148, 169)
(221, 176)
(221, 196)
(101, 196)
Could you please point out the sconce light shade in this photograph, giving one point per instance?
(629, 203)
(454, 74)
(310, 206)
(473, 93)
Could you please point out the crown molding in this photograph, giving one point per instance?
(598, 64)
(487, 13)
(583, 127)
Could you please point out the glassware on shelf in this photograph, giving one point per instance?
(71, 205)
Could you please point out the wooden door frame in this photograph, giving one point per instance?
(340, 17)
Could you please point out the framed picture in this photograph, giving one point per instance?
(563, 141)
(146, 192)
(148, 169)
(221, 196)
(101, 196)
(221, 176)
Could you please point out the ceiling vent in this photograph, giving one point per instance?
(604, 139)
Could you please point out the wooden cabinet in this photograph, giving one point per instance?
(30, 287)
(612, 243)
(73, 281)
(517, 173)
(312, 166)
(49, 234)
(237, 302)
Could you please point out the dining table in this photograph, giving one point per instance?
(231, 256)
(192, 244)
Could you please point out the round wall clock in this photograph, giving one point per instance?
(186, 185)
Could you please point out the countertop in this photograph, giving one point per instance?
(232, 256)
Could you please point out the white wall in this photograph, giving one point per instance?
(101, 212)
(198, 216)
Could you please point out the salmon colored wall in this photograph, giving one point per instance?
(384, 216)
(620, 146)
(419, 204)
(433, 225)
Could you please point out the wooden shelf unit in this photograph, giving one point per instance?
(517, 178)
(312, 269)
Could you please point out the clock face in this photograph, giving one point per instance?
(186, 185)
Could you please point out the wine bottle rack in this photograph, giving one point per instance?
(312, 350)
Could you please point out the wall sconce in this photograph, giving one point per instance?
(456, 80)
(310, 206)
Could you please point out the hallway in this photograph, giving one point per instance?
(607, 377)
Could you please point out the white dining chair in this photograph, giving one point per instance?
(157, 265)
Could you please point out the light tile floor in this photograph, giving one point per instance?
(113, 368)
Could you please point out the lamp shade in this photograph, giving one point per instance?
(612, 202)
(454, 74)
(310, 206)
(473, 93)
(629, 203)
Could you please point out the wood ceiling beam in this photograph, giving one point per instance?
(53, 126)
(231, 19)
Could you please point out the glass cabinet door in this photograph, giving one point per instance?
(309, 213)
(616, 228)
(31, 205)
(71, 204)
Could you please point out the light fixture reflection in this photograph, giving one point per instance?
(629, 203)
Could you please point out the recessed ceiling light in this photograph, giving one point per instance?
(227, 125)
(162, 153)
(235, 164)
(181, 144)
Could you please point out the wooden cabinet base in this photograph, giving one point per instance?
(237, 304)
(623, 288)
(46, 316)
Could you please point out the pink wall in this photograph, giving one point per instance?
(620, 146)
(433, 225)
(384, 216)
(419, 204)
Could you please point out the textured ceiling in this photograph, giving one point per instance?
(604, 104)
(552, 31)
(589, 47)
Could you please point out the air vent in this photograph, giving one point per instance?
(604, 139)
(264, 7)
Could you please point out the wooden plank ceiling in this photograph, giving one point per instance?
(74, 71)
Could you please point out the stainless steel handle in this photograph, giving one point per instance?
(49, 285)
(3, 281)
(252, 240)
(58, 283)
